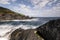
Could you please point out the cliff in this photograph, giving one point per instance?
(6, 14)
(50, 30)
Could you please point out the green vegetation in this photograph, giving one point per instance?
(7, 14)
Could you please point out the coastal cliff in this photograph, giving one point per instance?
(7, 14)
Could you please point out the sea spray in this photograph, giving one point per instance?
(7, 27)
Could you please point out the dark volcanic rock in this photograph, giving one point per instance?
(50, 30)
(20, 34)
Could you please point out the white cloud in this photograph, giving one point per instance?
(6, 1)
(38, 9)
(13, 0)
(39, 3)
(54, 12)
(25, 10)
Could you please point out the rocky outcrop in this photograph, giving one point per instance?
(21, 34)
(6, 14)
(50, 30)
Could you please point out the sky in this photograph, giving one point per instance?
(34, 8)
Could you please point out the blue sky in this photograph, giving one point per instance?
(36, 8)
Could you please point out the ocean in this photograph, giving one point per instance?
(8, 26)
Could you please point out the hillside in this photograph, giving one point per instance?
(6, 14)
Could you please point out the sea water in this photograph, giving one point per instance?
(8, 26)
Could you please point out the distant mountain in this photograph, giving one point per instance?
(6, 14)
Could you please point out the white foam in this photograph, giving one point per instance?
(35, 19)
(4, 38)
(25, 27)
(6, 30)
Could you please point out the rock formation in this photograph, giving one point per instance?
(50, 30)
(20, 34)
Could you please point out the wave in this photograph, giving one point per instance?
(8, 26)
(6, 30)
(34, 19)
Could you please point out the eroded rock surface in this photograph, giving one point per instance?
(50, 30)
(20, 34)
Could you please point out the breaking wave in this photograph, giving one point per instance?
(8, 26)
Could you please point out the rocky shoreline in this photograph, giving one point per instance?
(48, 31)
(21, 34)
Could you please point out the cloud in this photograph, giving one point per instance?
(39, 3)
(44, 3)
(13, 0)
(25, 10)
(54, 12)
(6, 1)
(40, 8)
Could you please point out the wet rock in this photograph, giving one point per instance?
(20, 34)
(50, 30)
